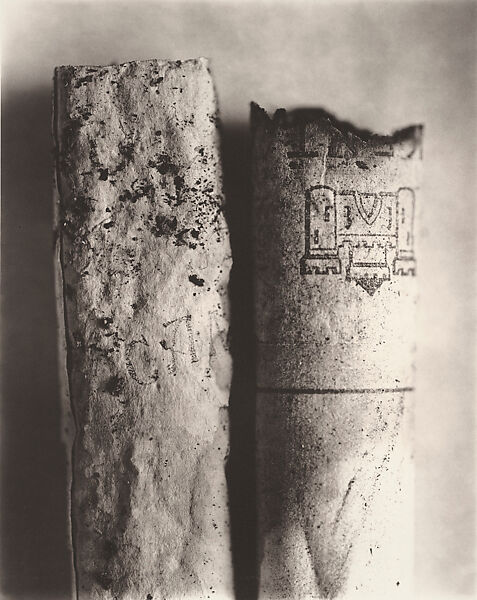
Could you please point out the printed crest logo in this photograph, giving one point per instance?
(366, 236)
(369, 206)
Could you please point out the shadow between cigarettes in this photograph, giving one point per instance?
(235, 149)
(35, 553)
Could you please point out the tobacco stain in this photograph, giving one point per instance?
(196, 280)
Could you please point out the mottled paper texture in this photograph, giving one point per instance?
(145, 259)
(335, 299)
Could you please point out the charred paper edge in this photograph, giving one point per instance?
(286, 119)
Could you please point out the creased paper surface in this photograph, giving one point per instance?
(335, 297)
(145, 258)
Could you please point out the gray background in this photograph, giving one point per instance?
(382, 65)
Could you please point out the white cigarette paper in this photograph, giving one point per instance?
(335, 307)
(145, 259)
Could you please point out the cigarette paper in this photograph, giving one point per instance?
(335, 299)
(145, 261)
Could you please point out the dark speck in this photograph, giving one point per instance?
(103, 174)
(196, 280)
(361, 164)
(125, 196)
(108, 225)
(83, 80)
(164, 225)
(163, 164)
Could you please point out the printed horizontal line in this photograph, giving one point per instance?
(303, 154)
(340, 232)
(323, 391)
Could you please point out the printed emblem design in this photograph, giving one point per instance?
(366, 236)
